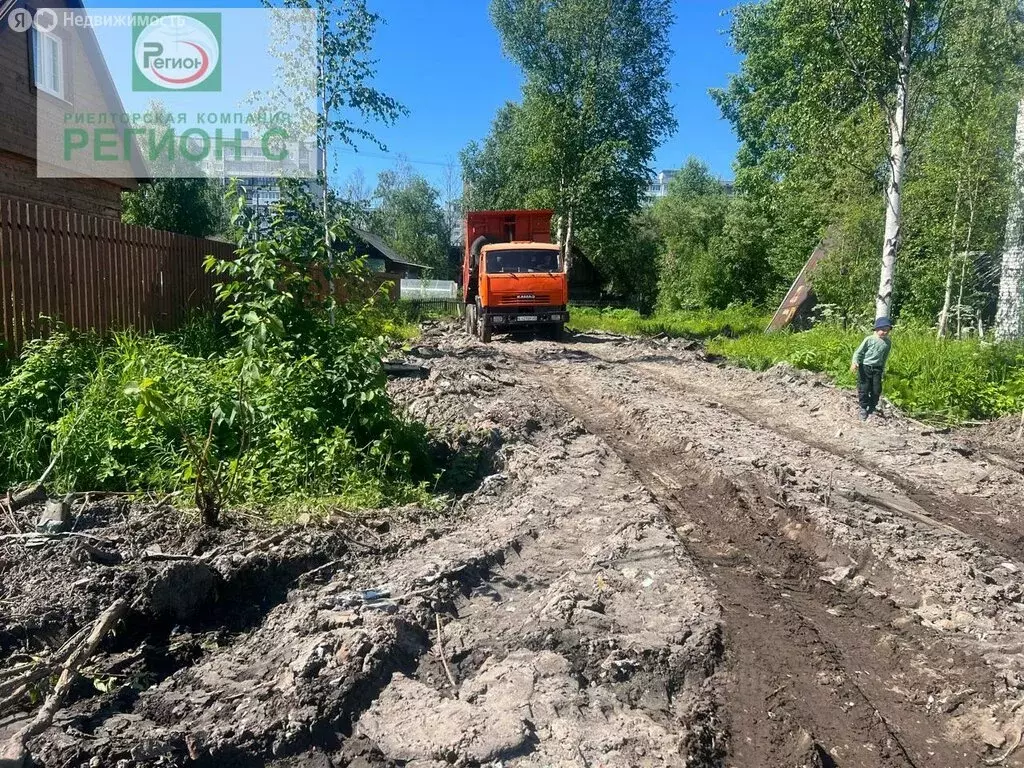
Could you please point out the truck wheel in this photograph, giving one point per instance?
(558, 332)
(474, 251)
(485, 332)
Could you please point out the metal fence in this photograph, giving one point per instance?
(432, 307)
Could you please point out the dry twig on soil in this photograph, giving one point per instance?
(24, 676)
(10, 515)
(444, 659)
(15, 752)
(29, 537)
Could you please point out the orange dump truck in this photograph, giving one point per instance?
(512, 275)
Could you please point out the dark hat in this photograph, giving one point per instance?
(883, 322)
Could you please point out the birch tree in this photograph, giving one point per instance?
(897, 119)
(818, 80)
(332, 41)
(1009, 315)
(595, 102)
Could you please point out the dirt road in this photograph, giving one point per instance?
(657, 561)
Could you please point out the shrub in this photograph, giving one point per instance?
(284, 398)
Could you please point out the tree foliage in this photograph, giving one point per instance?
(713, 251)
(178, 198)
(594, 108)
(410, 218)
(186, 206)
(345, 100)
(811, 106)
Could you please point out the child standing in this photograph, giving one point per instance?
(869, 365)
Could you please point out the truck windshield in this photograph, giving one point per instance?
(519, 261)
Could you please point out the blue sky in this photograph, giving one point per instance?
(443, 60)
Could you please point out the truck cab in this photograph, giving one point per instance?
(513, 276)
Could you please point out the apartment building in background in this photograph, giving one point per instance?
(260, 177)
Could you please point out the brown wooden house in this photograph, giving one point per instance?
(44, 77)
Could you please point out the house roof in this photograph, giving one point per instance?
(99, 65)
(389, 253)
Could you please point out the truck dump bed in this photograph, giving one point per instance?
(509, 226)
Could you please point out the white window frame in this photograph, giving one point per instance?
(42, 63)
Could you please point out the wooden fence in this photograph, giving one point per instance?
(95, 273)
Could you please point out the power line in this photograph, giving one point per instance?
(395, 156)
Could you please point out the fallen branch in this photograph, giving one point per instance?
(444, 660)
(1003, 461)
(17, 670)
(304, 577)
(166, 498)
(55, 535)
(35, 492)
(10, 515)
(15, 697)
(16, 751)
(24, 676)
(899, 505)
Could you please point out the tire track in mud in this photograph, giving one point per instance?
(817, 676)
(971, 517)
(598, 637)
(576, 630)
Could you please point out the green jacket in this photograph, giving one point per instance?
(873, 351)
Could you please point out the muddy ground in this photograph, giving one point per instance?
(659, 561)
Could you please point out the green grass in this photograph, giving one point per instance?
(404, 318)
(946, 381)
(698, 323)
(152, 413)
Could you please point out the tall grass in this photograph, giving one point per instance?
(697, 323)
(948, 380)
(941, 380)
(144, 412)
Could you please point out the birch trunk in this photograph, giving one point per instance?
(963, 265)
(944, 315)
(567, 245)
(324, 137)
(1009, 324)
(897, 163)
